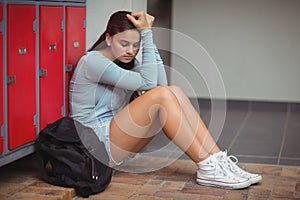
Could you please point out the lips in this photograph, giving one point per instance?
(128, 57)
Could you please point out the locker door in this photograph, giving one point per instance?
(75, 44)
(1, 81)
(51, 64)
(21, 84)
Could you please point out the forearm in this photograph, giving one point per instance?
(148, 69)
(162, 78)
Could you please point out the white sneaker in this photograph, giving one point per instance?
(212, 173)
(230, 162)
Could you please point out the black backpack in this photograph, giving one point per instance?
(71, 155)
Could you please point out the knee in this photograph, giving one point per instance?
(176, 89)
(164, 94)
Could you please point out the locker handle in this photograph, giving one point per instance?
(43, 72)
(52, 47)
(69, 67)
(22, 50)
(76, 44)
(11, 80)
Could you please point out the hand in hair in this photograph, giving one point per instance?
(141, 20)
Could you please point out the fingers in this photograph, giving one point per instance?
(150, 19)
(141, 20)
(138, 14)
(132, 19)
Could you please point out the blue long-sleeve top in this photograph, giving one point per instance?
(99, 88)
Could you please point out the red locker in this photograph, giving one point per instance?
(21, 84)
(75, 44)
(1, 81)
(51, 64)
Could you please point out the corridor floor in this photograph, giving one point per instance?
(263, 135)
(20, 180)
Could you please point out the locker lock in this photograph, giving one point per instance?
(11, 80)
(42, 72)
(68, 67)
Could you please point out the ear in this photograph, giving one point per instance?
(108, 39)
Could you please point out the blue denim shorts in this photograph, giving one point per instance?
(102, 130)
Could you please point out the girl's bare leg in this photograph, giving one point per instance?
(197, 124)
(134, 126)
(206, 139)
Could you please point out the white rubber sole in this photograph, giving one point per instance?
(225, 185)
(255, 179)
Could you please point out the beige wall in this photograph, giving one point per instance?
(99, 11)
(254, 43)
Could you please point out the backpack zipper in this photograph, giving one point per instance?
(94, 176)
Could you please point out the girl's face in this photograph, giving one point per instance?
(125, 45)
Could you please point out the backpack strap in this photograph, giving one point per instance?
(63, 130)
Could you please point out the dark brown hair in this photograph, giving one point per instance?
(118, 22)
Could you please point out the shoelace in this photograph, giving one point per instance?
(220, 168)
(233, 163)
(230, 161)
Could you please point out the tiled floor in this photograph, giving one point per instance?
(264, 136)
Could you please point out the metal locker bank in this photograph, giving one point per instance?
(1, 81)
(51, 64)
(21, 73)
(41, 43)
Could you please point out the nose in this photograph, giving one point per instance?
(130, 49)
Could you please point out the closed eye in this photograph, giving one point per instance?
(124, 43)
(136, 45)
